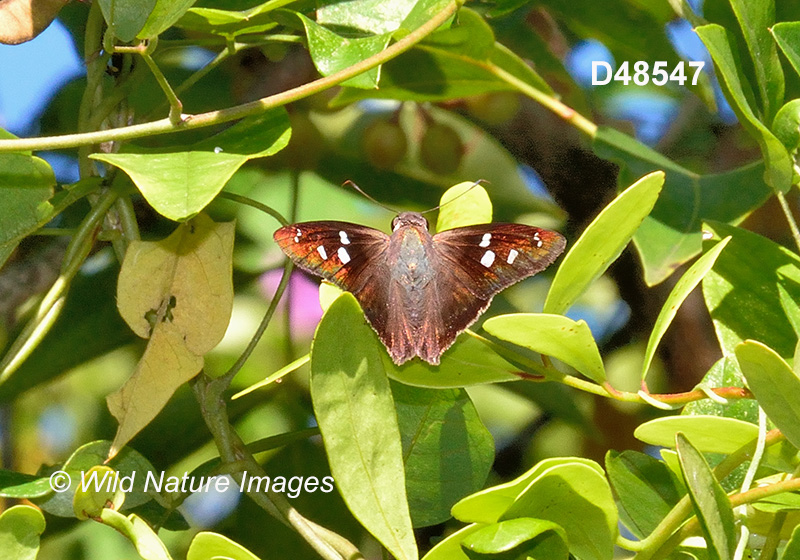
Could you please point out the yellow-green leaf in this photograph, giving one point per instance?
(177, 292)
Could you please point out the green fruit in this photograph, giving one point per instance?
(441, 149)
(384, 144)
(493, 108)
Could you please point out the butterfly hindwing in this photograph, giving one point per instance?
(487, 258)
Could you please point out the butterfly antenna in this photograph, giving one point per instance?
(475, 184)
(368, 197)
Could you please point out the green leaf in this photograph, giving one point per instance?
(713, 434)
(128, 463)
(742, 295)
(229, 23)
(787, 501)
(554, 335)
(450, 64)
(126, 17)
(448, 452)
(679, 293)
(787, 35)
(177, 292)
(26, 186)
(710, 502)
(6, 250)
(630, 31)
(366, 16)
(464, 204)
(487, 506)
(775, 385)
(644, 487)
(147, 543)
(787, 125)
(467, 362)
(332, 53)
(211, 546)
(19, 485)
(755, 19)
(522, 537)
(792, 549)
(179, 184)
(671, 234)
(422, 11)
(602, 242)
(710, 434)
(163, 16)
(578, 498)
(355, 412)
(777, 161)
(20, 527)
(450, 547)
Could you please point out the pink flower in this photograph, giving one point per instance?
(302, 293)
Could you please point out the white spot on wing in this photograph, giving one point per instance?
(343, 237)
(487, 237)
(297, 235)
(512, 254)
(342, 254)
(538, 241)
(322, 253)
(487, 259)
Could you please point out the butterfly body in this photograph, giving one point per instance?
(419, 291)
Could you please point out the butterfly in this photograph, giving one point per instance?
(420, 291)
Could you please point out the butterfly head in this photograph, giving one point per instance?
(409, 219)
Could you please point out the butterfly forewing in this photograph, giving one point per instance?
(343, 253)
(487, 258)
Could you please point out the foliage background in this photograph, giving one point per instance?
(517, 137)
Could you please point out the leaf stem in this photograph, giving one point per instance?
(255, 204)
(564, 111)
(273, 305)
(190, 122)
(175, 104)
(789, 218)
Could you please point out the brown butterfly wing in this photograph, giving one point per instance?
(488, 258)
(473, 264)
(346, 254)
(353, 257)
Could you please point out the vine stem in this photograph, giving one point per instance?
(50, 307)
(540, 372)
(232, 450)
(189, 122)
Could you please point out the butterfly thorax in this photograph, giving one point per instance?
(410, 248)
